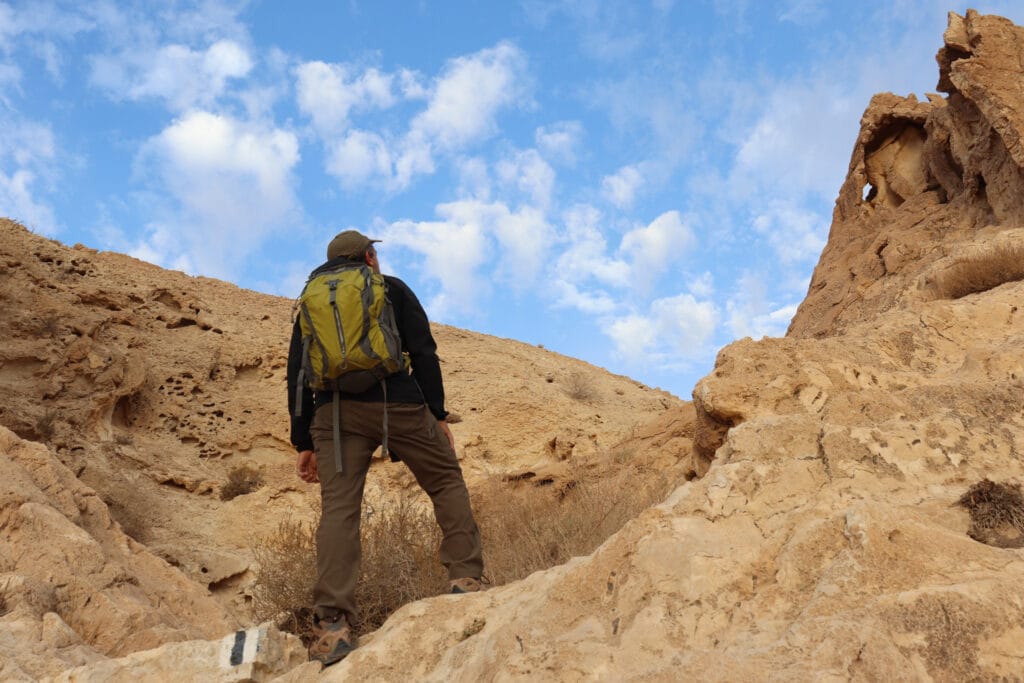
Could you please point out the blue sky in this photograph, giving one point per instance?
(631, 183)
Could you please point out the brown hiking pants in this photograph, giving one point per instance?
(415, 437)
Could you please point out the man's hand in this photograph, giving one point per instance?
(305, 467)
(447, 433)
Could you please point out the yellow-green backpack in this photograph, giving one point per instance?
(350, 340)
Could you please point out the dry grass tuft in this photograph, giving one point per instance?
(285, 574)
(400, 561)
(580, 387)
(525, 528)
(399, 565)
(241, 480)
(46, 424)
(997, 513)
(982, 272)
(48, 326)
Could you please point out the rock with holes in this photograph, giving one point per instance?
(927, 181)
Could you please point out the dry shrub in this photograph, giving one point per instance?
(46, 424)
(285, 574)
(399, 565)
(400, 560)
(3, 605)
(982, 272)
(580, 387)
(526, 527)
(131, 519)
(995, 509)
(241, 480)
(48, 326)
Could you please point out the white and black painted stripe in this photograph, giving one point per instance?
(241, 647)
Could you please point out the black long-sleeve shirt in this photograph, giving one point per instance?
(424, 385)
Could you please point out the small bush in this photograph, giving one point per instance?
(400, 561)
(130, 516)
(399, 565)
(995, 509)
(46, 424)
(285, 575)
(3, 605)
(48, 327)
(241, 480)
(580, 387)
(526, 528)
(982, 272)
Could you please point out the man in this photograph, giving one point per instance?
(416, 433)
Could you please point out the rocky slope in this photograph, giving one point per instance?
(130, 395)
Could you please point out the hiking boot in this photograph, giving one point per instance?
(466, 585)
(333, 641)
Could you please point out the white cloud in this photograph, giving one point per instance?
(795, 233)
(10, 79)
(651, 249)
(357, 157)
(184, 78)
(585, 256)
(328, 92)
(411, 84)
(559, 141)
(802, 12)
(474, 179)
(452, 254)
(530, 174)
(17, 201)
(415, 157)
(621, 187)
(469, 94)
(25, 143)
(233, 181)
(27, 156)
(470, 236)
(462, 108)
(674, 330)
(524, 237)
(752, 315)
(801, 143)
(702, 286)
(596, 302)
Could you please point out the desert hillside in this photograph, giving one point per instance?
(851, 508)
(132, 393)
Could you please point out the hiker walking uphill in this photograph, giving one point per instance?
(363, 372)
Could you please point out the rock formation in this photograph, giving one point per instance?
(821, 529)
(130, 395)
